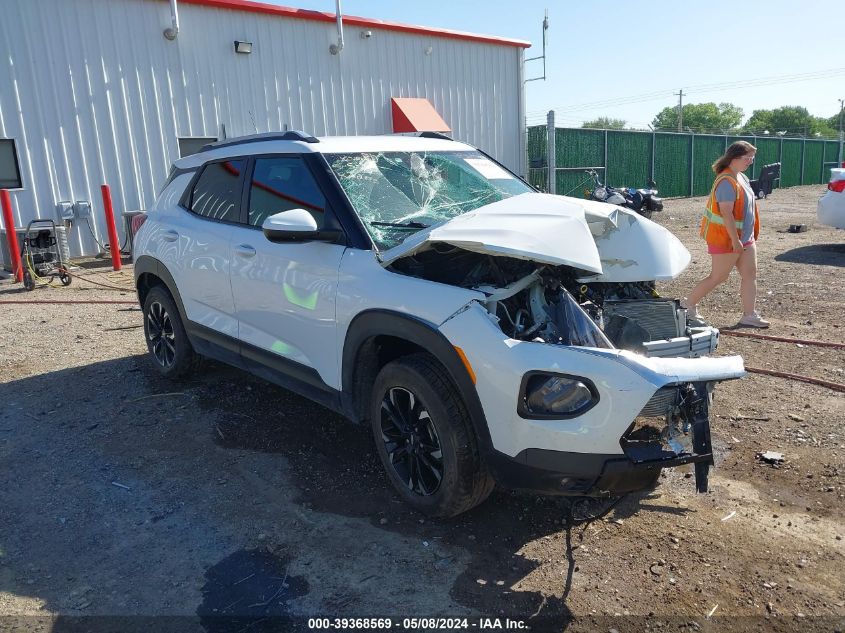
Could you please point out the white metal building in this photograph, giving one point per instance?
(94, 92)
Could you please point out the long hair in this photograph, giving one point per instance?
(740, 148)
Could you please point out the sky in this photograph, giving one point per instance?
(632, 56)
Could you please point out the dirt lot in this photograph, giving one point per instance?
(126, 495)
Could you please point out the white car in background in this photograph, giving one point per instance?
(485, 332)
(831, 207)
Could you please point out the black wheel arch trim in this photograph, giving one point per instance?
(380, 322)
(145, 264)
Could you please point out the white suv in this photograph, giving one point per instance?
(486, 332)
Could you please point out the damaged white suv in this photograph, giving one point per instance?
(486, 332)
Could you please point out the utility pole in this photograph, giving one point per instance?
(680, 96)
(841, 133)
(551, 152)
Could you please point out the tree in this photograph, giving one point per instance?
(700, 117)
(788, 121)
(606, 123)
(833, 122)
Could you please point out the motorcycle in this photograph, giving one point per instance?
(643, 201)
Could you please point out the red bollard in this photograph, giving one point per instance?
(11, 235)
(114, 243)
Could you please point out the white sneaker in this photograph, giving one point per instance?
(753, 320)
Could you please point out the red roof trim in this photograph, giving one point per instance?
(319, 16)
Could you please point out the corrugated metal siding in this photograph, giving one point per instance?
(93, 93)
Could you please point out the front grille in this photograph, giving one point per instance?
(661, 402)
(657, 316)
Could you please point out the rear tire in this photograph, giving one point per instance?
(425, 438)
(167, 341)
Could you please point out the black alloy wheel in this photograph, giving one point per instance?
(425, 438)
(411, 441)
(166, 338)
(160, 335)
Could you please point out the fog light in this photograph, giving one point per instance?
(556, 396)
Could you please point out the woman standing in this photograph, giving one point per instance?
(730, 226)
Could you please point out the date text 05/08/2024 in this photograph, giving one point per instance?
(411, 624)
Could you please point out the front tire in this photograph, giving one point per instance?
(425, 439)
(167, 341)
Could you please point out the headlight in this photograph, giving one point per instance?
(556, 396)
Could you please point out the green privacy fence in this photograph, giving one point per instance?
(679, 163)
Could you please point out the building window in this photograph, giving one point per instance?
(10, 173)
(217, 192)
(193, 144)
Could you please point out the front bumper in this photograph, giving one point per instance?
(570, 474)
(685, 439)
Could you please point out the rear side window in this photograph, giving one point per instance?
(217, 192)
(282, 183)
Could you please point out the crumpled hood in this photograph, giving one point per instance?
(613, 243)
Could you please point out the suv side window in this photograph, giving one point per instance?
(217, 191)
(282, 183)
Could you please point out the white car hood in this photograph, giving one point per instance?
(613, 243)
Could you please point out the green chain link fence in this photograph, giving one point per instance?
(679, 163)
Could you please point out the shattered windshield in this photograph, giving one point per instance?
(399, 193)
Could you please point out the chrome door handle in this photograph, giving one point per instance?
(245, 250)
(169, 236)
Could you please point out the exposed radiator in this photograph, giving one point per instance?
(661, 318)
(663, 399)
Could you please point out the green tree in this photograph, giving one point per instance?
(700, 117)
(606, 123)
(833, 122)
(760, 122)
(788, 121)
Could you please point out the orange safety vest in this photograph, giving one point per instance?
(713, 225)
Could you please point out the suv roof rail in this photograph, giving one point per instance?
(290, 135)
(435, 135)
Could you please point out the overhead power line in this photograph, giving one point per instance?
(700, 88)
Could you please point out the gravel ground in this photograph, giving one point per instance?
(126, 495)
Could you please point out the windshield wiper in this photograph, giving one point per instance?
(410, 224)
